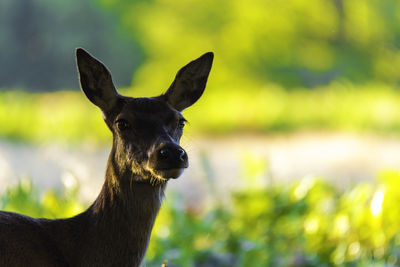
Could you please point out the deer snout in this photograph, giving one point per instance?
(172, 153)
(168, 160)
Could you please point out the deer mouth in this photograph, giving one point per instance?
(170, 173)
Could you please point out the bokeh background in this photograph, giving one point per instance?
(294, 146)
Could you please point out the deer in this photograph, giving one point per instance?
(145, 154)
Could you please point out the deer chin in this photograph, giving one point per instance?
(172, 173)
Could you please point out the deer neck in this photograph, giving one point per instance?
(124, 213)
(123, 191)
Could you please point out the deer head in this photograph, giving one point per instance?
(146, 131)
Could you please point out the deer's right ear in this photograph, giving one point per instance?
(96, 81)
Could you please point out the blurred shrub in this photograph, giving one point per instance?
(24, 198)
(304, 223)
(291, 43)
(307, 223)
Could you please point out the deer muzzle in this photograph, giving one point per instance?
(168, 160)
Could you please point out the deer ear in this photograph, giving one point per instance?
(189, 83)
(96, 81)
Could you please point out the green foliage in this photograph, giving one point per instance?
(307, 223)
(68, 116)
(291, 43)
(304, 223)
(25, 199)
(64, 116)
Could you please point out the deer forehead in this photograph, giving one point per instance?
(148, 109)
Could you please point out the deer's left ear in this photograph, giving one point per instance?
(189, 83)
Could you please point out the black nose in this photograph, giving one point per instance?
(182, 154)
(172, 155)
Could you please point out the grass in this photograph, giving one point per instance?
(67, 116)
(63, 116)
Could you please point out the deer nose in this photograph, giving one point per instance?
(172, 155)
(182, 154)
(168, 153)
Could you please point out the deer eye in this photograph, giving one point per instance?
(181, 123)
(122, 125)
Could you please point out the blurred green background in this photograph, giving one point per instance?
(281, 67)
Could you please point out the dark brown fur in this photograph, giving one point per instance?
(115, 230)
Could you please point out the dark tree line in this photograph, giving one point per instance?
(38, 39)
